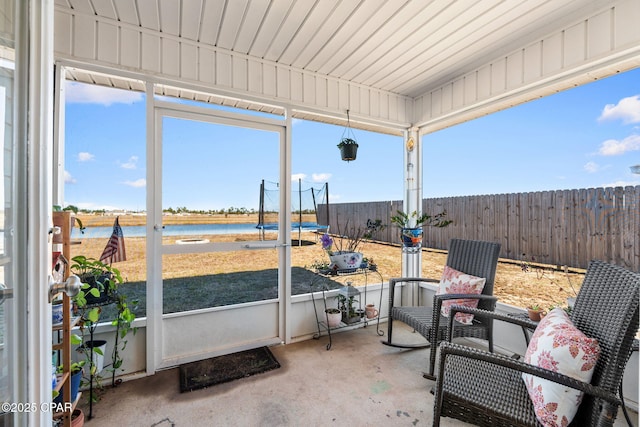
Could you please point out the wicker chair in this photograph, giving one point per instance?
(606, 309)
(468, 256)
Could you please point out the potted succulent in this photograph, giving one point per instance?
(348, 149)
(535, 312)
(411, 226)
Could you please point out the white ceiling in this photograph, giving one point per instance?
(401, 46)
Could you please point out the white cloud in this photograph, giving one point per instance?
(68, 179)
(130, 164)
(296, 176)
(622, 184)
(627, 110)
(320, 177)
(138, 183)
(591, 167)
(81, 93)
(613, 147)
(83, 156)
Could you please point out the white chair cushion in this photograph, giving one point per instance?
(457, 282)
(557, 345)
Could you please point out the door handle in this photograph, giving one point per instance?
(5, 293)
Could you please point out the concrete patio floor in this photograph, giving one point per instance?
(359, 382)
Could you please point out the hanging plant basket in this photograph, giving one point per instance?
(411, 239)
(348, 145)
(348, 149)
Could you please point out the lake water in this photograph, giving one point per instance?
(184, 230)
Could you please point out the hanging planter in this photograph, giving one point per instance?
(348, 145)
(411, 239)
(348, 149)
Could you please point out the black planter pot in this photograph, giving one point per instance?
(348, 151)
(93, 283)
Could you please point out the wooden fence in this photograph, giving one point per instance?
(565, 227)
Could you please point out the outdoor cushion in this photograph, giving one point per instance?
(557, 345)
(457, 282)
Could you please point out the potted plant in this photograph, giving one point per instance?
(411, 226)
(100, 281)
(334, 316)
(348, 309)
(101, 285)
(535, 312)
(76, 371)
(347, 245)
(348, 149)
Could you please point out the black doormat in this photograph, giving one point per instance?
(222, 369)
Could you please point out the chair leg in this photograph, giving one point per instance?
(390, 344)
(432, 362)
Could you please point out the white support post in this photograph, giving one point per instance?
(412, 261)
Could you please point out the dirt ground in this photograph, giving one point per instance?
(539, 284)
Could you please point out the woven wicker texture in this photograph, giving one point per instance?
(486, 389)
(472, 257)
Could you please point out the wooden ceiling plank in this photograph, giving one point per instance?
(211, 21)
(82, 6)
(486, 37)
(233, 16)
(170, 16)
(269, 27)
(289, 30)
(149, 14)
(310, 27)
(394, 51)
(126, 11)
(104, 8)
(390, 25)
(443, 40)
(250, 26)
(315, 54)
(190, 19)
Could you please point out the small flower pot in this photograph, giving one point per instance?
(411, 239)
(536, 315)
(334, 316)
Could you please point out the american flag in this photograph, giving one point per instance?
(114, 251)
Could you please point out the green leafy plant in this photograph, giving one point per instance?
(74, 209)
(347, 305)
(347, 141)
(99, 278)
(412, 220)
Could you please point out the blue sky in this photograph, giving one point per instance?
(585, 137)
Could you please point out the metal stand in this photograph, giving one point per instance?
(321, 324)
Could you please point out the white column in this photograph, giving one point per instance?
(412, 262)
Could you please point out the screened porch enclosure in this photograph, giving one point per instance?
(404, 69)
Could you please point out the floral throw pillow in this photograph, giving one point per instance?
(457, 282)
(557, 345)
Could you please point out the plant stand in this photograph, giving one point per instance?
(92, 329)
(362, 321)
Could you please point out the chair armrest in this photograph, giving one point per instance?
(394, 281)
(486, 314)
(447, 348)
